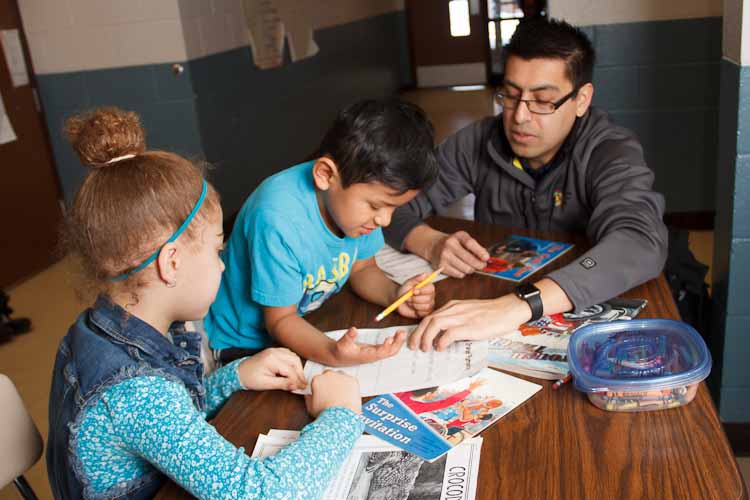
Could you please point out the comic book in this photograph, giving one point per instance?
(430, 422)
(518, 257)
(540, 348)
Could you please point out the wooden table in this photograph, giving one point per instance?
(557, 445)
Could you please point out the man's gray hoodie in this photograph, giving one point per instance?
(600, 186)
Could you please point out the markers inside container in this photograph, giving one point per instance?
(639, 365)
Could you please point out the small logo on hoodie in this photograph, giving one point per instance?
(588, 263)
(557, 197)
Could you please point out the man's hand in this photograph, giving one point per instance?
(347, 351)
(458, 254)
(274, 368)
(421, 303)
(469, 320)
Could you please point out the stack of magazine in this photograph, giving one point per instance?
(540, 349)
(377, 470)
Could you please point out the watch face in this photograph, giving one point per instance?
(526, 290)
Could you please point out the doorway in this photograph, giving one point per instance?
(459, 42)
(30, 200)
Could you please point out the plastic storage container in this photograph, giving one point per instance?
(638, 365)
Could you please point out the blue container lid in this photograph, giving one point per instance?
(637, 356)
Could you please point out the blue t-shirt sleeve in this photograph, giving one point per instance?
(276, 272)
(155, 418)
(369, 244)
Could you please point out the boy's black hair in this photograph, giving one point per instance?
(554, 39)
(386, 141)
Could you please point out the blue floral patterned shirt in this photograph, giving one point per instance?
(151, 421)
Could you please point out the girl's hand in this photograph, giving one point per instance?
(332, 388)
(274, 368)
(421, 303)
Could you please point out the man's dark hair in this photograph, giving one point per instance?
(386, 141)
(554, 39)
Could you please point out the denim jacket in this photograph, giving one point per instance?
(104, 347)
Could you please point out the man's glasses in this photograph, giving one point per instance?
(536, 107)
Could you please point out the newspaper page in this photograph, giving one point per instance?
(401, 267)
(376, 470)
(407, 370)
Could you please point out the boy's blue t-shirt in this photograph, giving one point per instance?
(280, 253)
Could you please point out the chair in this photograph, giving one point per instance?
(20, 442)
(209, 365)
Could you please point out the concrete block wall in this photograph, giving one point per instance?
(249, 123)
(731, 265)
(657, 73)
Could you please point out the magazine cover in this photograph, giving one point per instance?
(429, 422)
(540, 348)
(518, 257)
(375, 470)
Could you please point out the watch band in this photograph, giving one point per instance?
(533, 297)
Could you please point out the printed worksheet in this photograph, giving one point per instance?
(407, 370)
(401, 267)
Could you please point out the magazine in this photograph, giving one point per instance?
(376, 470)
(540, 348)
(518, 257)
(429, 422)
(407, 369)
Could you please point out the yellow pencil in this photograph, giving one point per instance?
(388, 310)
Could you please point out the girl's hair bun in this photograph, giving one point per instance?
(105, 134)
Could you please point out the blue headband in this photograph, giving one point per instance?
(176, 235)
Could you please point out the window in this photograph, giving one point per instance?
(459, 17)
(503, 17)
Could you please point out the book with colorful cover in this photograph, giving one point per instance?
(518, 257)
(429, 422)
(540, 348)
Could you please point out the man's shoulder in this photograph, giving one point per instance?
(480, 129)
(473, 138)
(601, 140)
(598, 127)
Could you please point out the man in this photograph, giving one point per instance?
(550, 161)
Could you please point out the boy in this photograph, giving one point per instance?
(308, 229)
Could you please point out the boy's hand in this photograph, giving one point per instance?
(421, 303)
(350, 352)
(332, 388)
(274, 368)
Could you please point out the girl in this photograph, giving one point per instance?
(129, 401)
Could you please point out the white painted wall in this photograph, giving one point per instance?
(214, 26)
(590, 12)
(745, 32)
(735, 41)
(74, 35)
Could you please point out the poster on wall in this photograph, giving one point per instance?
(270, 23)
(6, 130)
(11, 42)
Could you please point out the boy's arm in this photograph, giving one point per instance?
(370, 283)
(292, 331)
